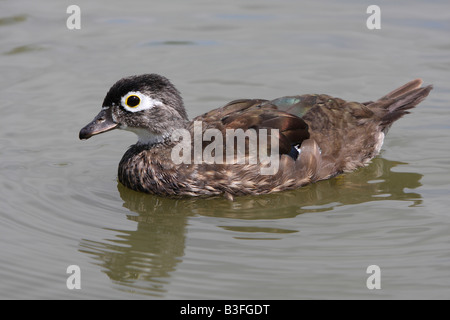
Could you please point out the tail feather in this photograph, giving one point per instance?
(396, 104)
(414, 84)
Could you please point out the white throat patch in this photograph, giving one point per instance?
(145, 136)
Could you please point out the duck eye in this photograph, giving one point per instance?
(133, 101)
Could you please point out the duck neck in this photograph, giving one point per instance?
(149, 138)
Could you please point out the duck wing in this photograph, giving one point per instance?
(257, 114)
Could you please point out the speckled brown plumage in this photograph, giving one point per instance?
(319, 137)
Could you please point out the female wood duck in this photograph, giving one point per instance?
(318, 137)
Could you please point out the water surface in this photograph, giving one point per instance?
(61, 203)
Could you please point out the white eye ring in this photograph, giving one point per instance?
(145, 102)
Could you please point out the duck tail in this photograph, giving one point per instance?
(396, 104)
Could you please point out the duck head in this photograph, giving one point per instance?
(148, 105)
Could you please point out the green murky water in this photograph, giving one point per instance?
(61, 204)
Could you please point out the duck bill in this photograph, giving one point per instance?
(102, 122)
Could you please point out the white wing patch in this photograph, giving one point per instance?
(379, 143)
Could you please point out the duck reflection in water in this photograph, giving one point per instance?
(143, 259)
